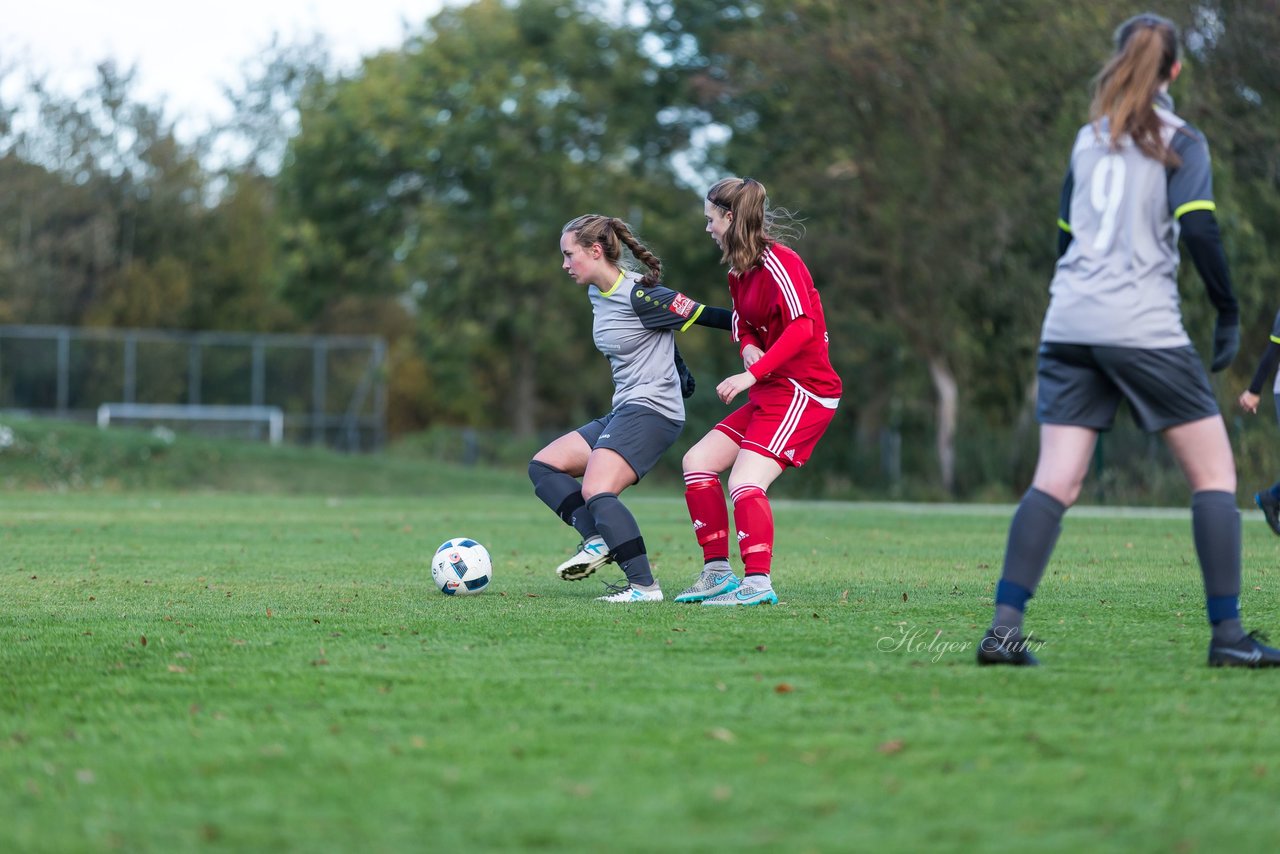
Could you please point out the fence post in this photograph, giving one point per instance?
(130, 368)
(318, 392)
(258, 380)
(379, 394)
(64, 371)
(193, 374)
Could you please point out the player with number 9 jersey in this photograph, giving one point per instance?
(1117, 282)
(1139, 182)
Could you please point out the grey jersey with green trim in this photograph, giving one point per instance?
(1117, 283)
(635, 328)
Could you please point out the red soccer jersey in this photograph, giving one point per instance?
(768, 297)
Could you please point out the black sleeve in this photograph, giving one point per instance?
(1266, 367)
(659, 307)
(715, 317)
(1201, 237)
(1064, 213)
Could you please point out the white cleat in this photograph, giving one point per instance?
(592, 554)
(710, 583)
(627, 593)
(752, 591)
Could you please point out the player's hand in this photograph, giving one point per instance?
(1249, 402)
(687, 382)
(750, 355)
(731, 387)
(1226, 342)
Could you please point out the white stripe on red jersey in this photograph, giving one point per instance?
(769, 297)
(783, 278)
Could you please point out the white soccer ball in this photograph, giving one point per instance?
(461, 567)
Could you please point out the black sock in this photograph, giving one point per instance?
(563, 494)
(1032, 535)
(1215, 527)
(622, 535)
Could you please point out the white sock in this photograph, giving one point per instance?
(717, 566)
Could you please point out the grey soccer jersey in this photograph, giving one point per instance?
(635, 327)
(1117, 282)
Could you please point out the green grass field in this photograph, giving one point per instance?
(233, 672)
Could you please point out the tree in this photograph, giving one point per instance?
(921, 140)
(95, 184)
(442, 172)
(1232, 92)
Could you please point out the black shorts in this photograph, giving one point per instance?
(637, 433)
(1081, 385)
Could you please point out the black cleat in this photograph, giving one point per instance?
(1004, 646)
(1270, 507)
(1249, 651)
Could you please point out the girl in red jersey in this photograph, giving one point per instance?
(792, 392)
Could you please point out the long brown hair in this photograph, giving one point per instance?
(613, 234)
(1126, 87)
(755, 225)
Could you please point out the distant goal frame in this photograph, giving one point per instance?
(272, 416)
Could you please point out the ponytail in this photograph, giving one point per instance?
(1126, 87)
(755, 226)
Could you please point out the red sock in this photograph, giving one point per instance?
(708, 513)
(753, 517)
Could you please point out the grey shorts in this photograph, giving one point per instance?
(637, 433)
(1082, 385)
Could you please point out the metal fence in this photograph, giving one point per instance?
(331, 388)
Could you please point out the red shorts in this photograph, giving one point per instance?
(781, 421)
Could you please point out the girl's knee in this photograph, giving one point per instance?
(1064, 492)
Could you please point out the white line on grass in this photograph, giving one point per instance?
(922, 508)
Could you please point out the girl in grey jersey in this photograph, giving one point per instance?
(1268, 500)
(1139, 180)
(634, 326)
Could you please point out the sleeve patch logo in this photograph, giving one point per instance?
(682, 305)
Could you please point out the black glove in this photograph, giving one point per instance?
(686, 376)
(1226, 343)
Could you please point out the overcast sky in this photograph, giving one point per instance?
(186, 52)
